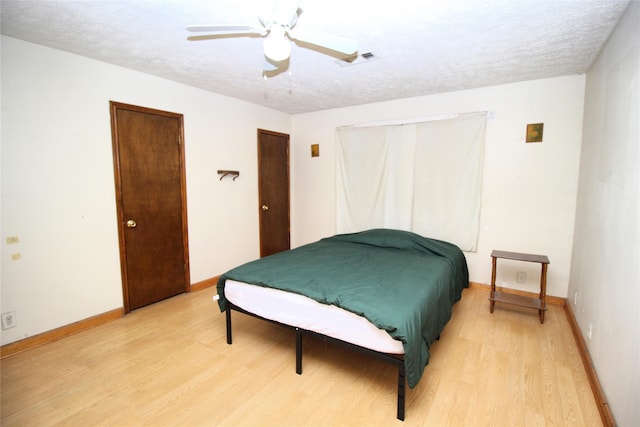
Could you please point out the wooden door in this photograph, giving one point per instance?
(151, 203)
(273, 188)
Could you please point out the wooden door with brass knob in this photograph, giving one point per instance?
(273, 191)
(151, 203)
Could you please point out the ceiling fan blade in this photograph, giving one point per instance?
(329, 41)
(269, 66)
(227, 29)
(272, 69)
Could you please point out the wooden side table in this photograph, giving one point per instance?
(510, 298)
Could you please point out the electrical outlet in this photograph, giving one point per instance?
(9, 320)
(521, 277)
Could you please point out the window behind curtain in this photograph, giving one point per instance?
(424, 177)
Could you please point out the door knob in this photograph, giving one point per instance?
(265, 207)
(131, 224)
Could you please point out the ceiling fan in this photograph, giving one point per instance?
(277, 25)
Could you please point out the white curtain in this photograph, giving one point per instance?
(424, 177)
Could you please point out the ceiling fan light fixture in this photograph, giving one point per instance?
(277, 47)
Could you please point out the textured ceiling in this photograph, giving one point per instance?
(421, 47)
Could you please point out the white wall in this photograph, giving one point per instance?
(605, 273)
(58, 192)
(528, 201)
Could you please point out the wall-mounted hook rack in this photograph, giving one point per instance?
(224, 173)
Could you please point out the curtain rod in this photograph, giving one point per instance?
(431, 118)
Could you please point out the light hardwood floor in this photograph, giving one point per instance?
(169, 364)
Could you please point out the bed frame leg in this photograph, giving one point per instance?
(298, 351)
(401, 392)
(228, 314)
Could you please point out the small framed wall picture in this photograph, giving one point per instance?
(534, 132)
(315, 150)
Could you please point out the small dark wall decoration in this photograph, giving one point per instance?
(534, 132)
(315, 150)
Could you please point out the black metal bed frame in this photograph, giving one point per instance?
(395, 360)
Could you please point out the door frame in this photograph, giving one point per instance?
(114, 107)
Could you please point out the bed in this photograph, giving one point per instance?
(386, 293)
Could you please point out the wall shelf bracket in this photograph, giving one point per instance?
(224, 173)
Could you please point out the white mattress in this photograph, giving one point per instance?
(306, 313)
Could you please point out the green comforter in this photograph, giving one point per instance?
(401, 282)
